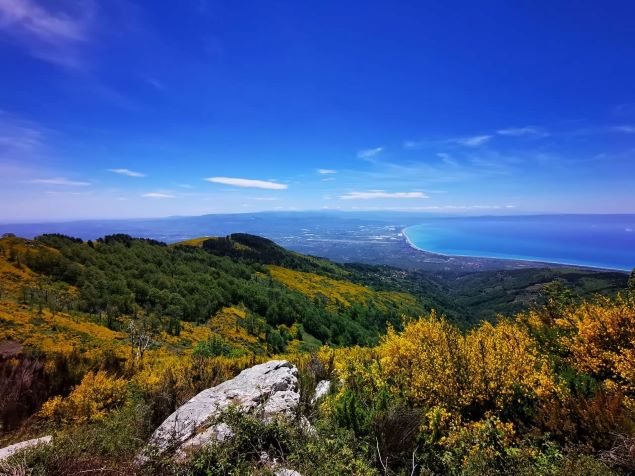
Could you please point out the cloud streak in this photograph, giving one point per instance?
(157, 195)
(627, 129)
(474, 141)
(379, 194)
(60, 181)
(326, 171)
(127, 172)
(369, 153)
(522, 131)
(247, 183)
(53, 36)
(19, 135)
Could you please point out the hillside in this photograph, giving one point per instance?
(85, 305)
(100, 341)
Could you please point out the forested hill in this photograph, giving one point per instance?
(119, 321)
(283, 296)
(280, 296)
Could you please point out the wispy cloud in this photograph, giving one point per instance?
(60, 181)
(127, 172)
(473, 141)
(413, 144)
(158, 195)
(47, 33)
(19, 135)
(523, 131)
(156, 84)
(447, 159)
(450, 207)
(378, 194)
(369, 153)
(625, 128)
(243, 182)
(326, 171)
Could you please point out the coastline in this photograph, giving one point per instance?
(524, 260)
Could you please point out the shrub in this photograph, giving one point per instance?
(491, 368)
(91, 400)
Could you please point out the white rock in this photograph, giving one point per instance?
(219, 433)
(271, 388)
(286, 472)
(11, 450)
(321, 390)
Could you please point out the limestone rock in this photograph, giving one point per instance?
(270, 388)
(11, 450)
(286, 472)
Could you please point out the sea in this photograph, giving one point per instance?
(601, 241)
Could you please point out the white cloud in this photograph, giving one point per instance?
(127, 172)
(157, 195)
(378, 194)
(474, 141)
(326, 171)
(449, 207)
(522, 131)
(243, 182)
(53, 36)
(60, 181)
(369, 153)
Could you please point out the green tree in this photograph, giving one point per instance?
(558, 297)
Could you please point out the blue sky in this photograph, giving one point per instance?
(146, 108)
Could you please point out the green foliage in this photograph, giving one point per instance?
(252, 439)
(121, 276)
(542, 394)
(214, 347)
(108, 445)
(264, 447)
(557, 298)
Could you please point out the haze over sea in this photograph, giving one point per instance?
(603, 241)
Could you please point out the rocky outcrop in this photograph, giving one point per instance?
(270, 389)
(8, 451)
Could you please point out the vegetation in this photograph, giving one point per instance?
(100, 341)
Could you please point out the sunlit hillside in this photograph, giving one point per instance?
(100, 341)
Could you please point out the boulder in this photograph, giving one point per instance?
(8, 451)
(270, 389)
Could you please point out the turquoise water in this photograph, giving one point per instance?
(604, 241)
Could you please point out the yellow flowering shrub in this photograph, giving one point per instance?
(433, 364)
(91, 400)
(476, 447)
(336, 292)
(600, 337)
(502, 358)
(426, 362)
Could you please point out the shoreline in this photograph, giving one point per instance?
(524, 260)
